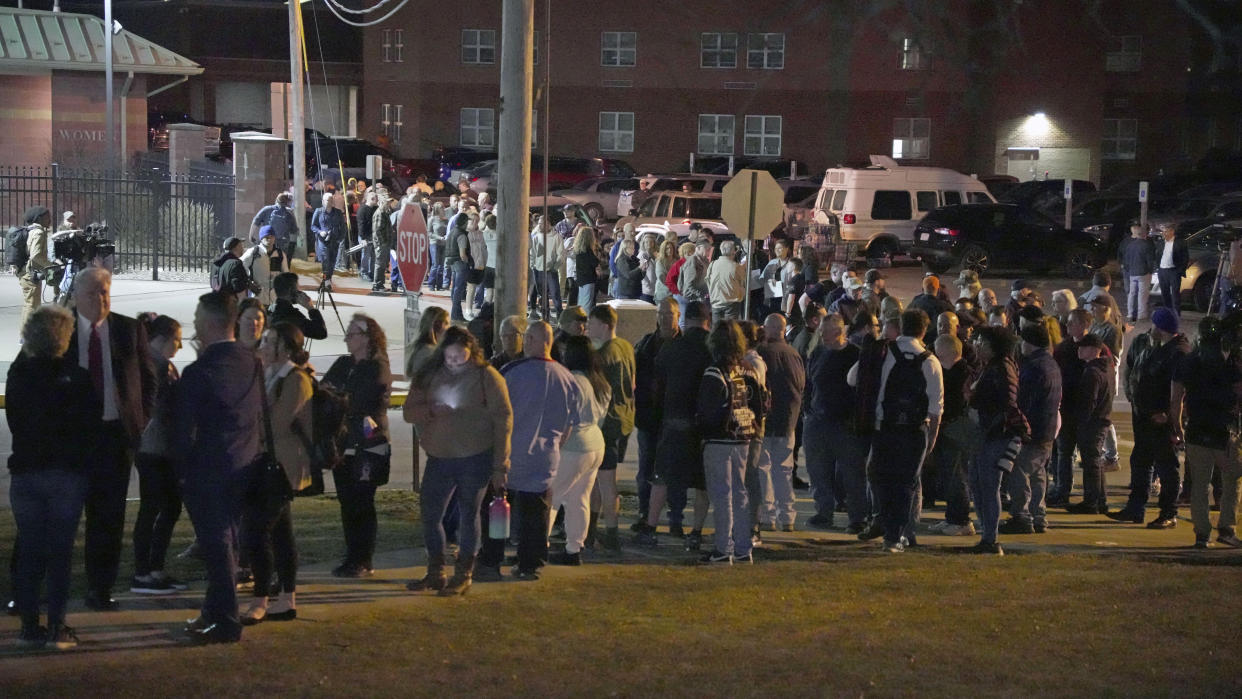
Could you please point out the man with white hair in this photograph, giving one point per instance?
(726, 283)
(512, 330)
(328, 225)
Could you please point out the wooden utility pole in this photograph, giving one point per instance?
(297, 120)
(513, 168)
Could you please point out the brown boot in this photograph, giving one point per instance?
(463, 572)
(433, 580)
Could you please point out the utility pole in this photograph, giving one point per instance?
(297, 120)
(110, 122)
(513, 168)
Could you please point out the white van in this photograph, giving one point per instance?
(875, 209)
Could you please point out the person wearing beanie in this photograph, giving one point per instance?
(1148, 371)
(1208, 382)
(1091, 421)
(1039, 399)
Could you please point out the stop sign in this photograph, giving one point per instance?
(752, 196)
(413, 247)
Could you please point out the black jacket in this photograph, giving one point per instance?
(1039, 394)
(131, 370)
(367, 385)
(679, 370)
(629, 277)
(647, 414)
(1150, 370)
(1095, 395)
(283, 311)
(228, 268)
(50, 406)
(787, 382)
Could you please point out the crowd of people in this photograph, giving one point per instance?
(962, 398)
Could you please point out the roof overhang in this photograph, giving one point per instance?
(33, 40)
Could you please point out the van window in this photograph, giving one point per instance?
(891, 205)
(719, 185)
(824, 200)
(951, 198)
(702, 208)
(648, 207)
(978, 198)
(926, 200)
(838, 200)
(662, 207)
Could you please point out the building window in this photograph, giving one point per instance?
(716, 134)
(718, 50)
(478, 46)
(763, 136)
(765, 51)
(391, 122)
(386, 44)
(913, 55)
(1120, 139)
(1125, 54)
(398, 44)
(616, 132)
(478, 127)
(618, 49)
(911, 139)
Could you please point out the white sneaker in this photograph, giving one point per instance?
(967, 529)
(255, 612)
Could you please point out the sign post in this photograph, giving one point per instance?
(413, 259)
(1143, 204)
(1069, 202)
(752, 204)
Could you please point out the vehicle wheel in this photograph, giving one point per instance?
(595, 211)
(880, 253)
(976, 258)
(1203, 291)
(1079, 263)
(936, 267)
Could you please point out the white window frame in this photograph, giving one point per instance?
(713, 44)
(713, 127)
(390, 120)
(1125, 54)
(914, 56)
(474, 42)
(612, 137)
(386, 45)
(613, 53)
(472, 125)
(398, 45)
(757, 138)
(760, 45)
(1125, 147)
(911, 138)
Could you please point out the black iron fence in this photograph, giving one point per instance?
(158, 221)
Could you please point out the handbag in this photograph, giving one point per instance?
(269, 486)
(369, 464)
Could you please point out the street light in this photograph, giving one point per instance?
(1037, 125)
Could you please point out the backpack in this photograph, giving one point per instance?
(214, 277)
(328, 410)
(905, 392)
(16, 253)
(741, 425)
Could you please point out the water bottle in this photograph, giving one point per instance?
(498, 518)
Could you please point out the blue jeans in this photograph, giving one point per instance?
(435, 276)
(325, 252)
(466, 479)
(896, 458)
(537, 281)
(834, 453)
(47, 505)
(726, 484)
(1136, 297)
(586, 296)
(365, 269)
(985, 486)
(458, 293)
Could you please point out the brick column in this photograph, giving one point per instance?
(260, 171)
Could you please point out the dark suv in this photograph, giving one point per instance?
(1003, 236)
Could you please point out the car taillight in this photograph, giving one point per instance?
(951, 232)
(685, 221)
(848, 218)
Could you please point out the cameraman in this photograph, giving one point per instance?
(29, 264)
(285, 311)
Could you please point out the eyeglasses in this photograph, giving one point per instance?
(355, 333)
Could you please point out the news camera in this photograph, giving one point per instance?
(79, 247)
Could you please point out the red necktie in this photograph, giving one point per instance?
(94, 354)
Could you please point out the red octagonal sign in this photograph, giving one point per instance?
(413, 247)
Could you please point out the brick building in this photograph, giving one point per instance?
(1063, 87)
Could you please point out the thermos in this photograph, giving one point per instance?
(498, 518)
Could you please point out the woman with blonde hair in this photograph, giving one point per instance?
(586, 265)
(664, 260)
(437, 234)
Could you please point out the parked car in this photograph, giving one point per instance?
(986, 237)
(597, 195)
(676, 211)
(1193, 215)
(876, 208)
(998, 184)
(1046, 196)
(1109, 217)
(777, 167)
(157, 131)
(1205, 247)
(675, 182)
(563, 173)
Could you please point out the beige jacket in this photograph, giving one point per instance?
(726, 281)
(460, 415)
(289, 393)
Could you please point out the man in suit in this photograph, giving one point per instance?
(1172, 259)
(113, 348)
(219, 413)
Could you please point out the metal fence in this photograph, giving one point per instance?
(158, 221)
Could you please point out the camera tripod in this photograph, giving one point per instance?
(323, 290)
